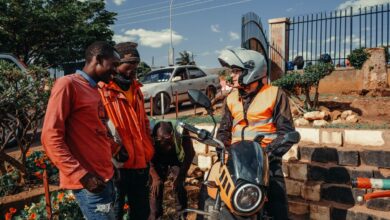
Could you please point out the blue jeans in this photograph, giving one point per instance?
(97, 206)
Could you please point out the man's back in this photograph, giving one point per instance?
(74, 121)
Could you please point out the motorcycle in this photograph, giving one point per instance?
(237, 183)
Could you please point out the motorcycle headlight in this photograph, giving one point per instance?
(247, 198)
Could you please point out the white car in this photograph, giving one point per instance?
(162, 85)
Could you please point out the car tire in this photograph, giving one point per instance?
(157, 104)
(211, 92)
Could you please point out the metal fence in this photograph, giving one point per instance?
(338, 32)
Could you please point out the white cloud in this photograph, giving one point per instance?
(122, 38)
(118, 2)
(148, 38)
(289, 9)
(215, 28)
(234, 36)
(361, 3)
(226, 47)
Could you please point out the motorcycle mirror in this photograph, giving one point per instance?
(198, 98)
(292, 137)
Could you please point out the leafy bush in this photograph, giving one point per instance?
(358, 57)
(9, 183)
(37, 162)
(24, 97)
(295, 83)
(64, 206)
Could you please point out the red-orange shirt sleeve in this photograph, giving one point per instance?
(53, 131)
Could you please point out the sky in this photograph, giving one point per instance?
(203, 27)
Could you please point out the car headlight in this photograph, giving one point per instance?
(247, 198)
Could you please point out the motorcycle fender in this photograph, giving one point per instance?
(213, 175)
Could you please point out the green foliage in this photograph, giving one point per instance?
(24, 97)
(296, 83)
(358, 57)
(64, 206)
(185, 59)
(52, 32)
(9, 183)
(142, 69)
(37, 162)
(200, 119)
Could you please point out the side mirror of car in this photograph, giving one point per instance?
(176, 79)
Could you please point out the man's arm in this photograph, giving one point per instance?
(189, 153)
(284, 123)
(224, 132)
(53, 131)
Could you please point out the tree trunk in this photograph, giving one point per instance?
(3, 170)
(315, 104)
(14, 162)
(308, 102)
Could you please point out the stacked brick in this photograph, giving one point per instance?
(318, 172)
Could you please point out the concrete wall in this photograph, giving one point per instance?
(342, 80)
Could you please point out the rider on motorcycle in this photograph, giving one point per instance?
(255, 108)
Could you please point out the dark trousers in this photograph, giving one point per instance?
(277, 205)
(133, 183)
(180, 192)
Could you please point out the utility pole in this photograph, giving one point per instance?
(171, 50)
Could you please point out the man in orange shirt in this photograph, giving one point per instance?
(74, 134)
(124, 103)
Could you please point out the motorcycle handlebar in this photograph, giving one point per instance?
(203, 135)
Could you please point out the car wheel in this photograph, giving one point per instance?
(157, 104)
(210, 92)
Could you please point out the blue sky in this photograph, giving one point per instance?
(203, 27)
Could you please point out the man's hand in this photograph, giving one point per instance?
(155, 187)
(93, 183)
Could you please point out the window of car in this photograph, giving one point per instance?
(157, 76)
(182, 72)
(195, 73)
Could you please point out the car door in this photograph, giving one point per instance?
(197, 78)
(181, 86)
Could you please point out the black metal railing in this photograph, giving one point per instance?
(338, 32)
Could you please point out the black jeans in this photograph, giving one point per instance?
(180, 192)
(133, 183)
(277, 205)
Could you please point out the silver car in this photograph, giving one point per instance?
(163, 84)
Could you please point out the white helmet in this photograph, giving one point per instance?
(252, 63)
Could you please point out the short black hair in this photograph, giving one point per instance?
(101, 48)
(166, 128)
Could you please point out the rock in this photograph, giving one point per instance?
(335, 115)
(315, 115)
(301, 122)
(352, 119)
(320, 123)
(338, 121)
(324, 109)
(346, 113)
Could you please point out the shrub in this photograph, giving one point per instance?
(24, 97)
(358, 57)
(295, 83)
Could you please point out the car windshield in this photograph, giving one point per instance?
(157, 76)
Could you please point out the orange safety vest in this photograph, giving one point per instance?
(259, 115)
(130, 121)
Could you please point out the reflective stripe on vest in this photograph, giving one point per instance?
(259, 115)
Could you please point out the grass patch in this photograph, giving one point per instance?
(360, 126)
(203, 119)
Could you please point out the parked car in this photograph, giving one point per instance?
(13, 60)
(167, 81)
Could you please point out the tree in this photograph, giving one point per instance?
(24, 97)
(142, 69)
(52, 32)
(185, 59)
(296, 83)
